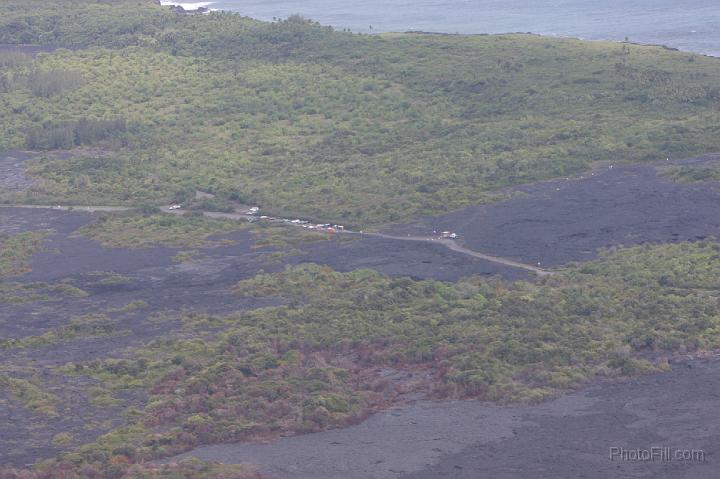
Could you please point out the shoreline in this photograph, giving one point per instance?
(193, 8)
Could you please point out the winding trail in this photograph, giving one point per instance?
(84, 209)
(446, 242)
(454, 246)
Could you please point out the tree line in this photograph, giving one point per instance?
(75, 133)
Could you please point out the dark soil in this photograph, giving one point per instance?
(13, 163)
(569, 437)
(551, 223)
(677, 410)
(12, 171)
(555, 222)
(419, 260)
(115, 277)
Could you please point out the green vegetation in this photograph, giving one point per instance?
(185, 256)
(355, 128)
(191, 230)
(110, 279)
(273, 235)
(32, 396)
(312, 362)
(79, 22)
(132, 306)
(120, 468)
(20, 293)
(85, 326)
(16, 250)
(67, 289)
(693, 173)
(102, 397)
(68, 135)
(142, 231)
(61, 439)
(498, 340)
(362, 130)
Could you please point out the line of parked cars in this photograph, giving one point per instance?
(324, 227)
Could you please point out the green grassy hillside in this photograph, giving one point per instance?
(301, 119)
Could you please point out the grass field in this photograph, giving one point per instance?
(138, 231)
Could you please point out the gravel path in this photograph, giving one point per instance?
(554, 222)
(445, 242)
(454, 246)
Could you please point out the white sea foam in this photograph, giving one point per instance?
(186, 6)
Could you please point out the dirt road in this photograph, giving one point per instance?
(564, 220)
(448, 243)
(454, 246)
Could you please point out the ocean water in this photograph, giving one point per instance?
(691, 25)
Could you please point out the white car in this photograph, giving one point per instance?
(175, 207)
